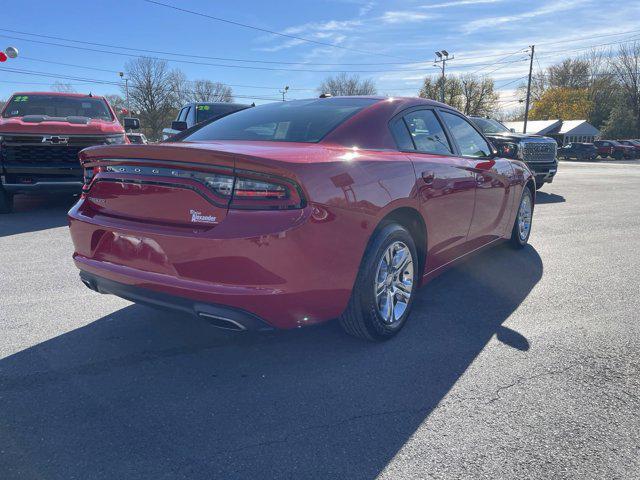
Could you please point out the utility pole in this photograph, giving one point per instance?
(442, 57)
(526, 106)
(284, 91)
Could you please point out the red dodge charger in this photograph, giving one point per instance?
(295, 213)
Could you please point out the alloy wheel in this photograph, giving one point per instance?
(394, 282)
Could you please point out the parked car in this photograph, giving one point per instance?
(193, 113)
(539, 153)
(613, 149)
(41, 134)
(633, 144)
(295, 213)
(579, 151)
(138, 138)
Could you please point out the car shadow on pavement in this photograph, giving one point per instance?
(147, 394)
(33, 213)
(544, 197)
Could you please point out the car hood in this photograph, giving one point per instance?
(511, 136)
(70, 126)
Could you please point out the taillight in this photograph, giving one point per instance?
(246, 190)
(256, 191)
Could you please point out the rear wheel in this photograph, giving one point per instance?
(522, 226)
(384, 291)
(6, 201)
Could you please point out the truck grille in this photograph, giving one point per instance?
(30, 149)
(539, 151)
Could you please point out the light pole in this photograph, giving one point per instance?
(126, 90)
(442, 57)
(284, 91)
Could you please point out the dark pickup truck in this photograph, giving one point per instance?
(193, 113)
(41, 134)
(539, 153)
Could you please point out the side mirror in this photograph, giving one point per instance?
(131, 123)
(180, 126)
(512, 130)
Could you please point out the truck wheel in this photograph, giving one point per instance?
(385, 288)
(6, 202)
(522, 226)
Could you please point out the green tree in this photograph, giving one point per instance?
(564, 103)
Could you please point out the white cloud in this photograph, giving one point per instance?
(488, 22)
(403, 16)
(457, 3)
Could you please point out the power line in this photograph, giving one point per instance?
(193, 62)
(205, 57)
(264, 30)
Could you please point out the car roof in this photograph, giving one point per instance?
(61, 94)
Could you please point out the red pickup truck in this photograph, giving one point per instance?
(41, 134)
(614, 149)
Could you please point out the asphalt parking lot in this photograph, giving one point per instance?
(514, 365)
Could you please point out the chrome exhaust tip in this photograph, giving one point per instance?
(222, 323)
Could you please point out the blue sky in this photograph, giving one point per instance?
(395, 40)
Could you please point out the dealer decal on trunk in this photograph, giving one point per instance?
(197, 217)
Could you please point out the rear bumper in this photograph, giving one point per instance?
(284, 268)
(43, 187)
(219, 315)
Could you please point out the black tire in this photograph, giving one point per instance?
(362, 318)
(516, 240)
(6, 201)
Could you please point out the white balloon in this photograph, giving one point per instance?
(12, 52)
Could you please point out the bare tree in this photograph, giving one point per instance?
(344, 84)
(63, 87)
(432, 88)
(570, 73)
(626, 67)
(117, 103)
(152, 92)
(208, 91)
(478, 94)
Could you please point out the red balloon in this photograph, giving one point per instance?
(3, 57)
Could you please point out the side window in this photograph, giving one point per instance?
(426, 132)
(182, 115)
(401, 135)
(189, 117)
(469, 141)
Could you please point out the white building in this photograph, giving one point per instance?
(563, 131)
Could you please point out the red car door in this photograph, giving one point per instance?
(493, 176)
(445, 184)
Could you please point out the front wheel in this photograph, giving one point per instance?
(384, 291)
(522, 226)
(6, 201)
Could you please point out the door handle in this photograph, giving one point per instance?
(428, 177)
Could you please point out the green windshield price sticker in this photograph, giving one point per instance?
(203, 107)
(21, 98)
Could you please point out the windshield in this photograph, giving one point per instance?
(297, 121)
(57, 106)
(207, 111)
(489, 125)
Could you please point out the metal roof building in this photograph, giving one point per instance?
(563, 131)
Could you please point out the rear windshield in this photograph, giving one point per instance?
(207, 111)
(57, 106)
(305, 121)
